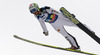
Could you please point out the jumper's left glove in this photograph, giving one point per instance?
(46, 33)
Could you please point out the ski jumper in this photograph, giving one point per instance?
(57, 20)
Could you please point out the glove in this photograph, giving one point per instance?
(46, 33)
(73, 15)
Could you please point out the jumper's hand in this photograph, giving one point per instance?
(46, 33)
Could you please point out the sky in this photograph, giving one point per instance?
(15, 19)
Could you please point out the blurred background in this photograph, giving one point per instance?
(15, 19)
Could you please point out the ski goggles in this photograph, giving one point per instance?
(33, 10)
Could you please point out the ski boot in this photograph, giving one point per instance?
(74, 48)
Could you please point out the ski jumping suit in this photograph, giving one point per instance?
(57, 20)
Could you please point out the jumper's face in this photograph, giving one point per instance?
(37, 12)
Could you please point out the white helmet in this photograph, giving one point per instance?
(33, 7)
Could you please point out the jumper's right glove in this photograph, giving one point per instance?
(46, 33)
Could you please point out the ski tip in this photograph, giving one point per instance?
(15, 36)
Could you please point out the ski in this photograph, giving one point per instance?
(79, 24)
(55, 47)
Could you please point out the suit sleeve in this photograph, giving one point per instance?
(42, 23)
(51, 10)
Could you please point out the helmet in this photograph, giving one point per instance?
(33, 7)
